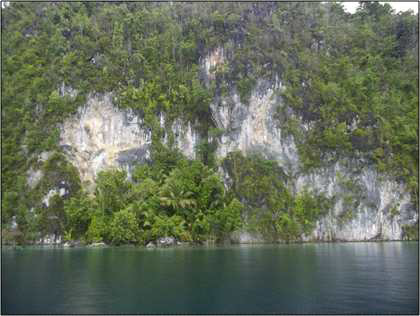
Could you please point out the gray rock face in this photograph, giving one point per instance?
(72, 243)
(166, 242)
(251, 128)
(127, 159)
(44, 156)
(101, 136)
(186, 138)
(46, 199)
(97, 244)
(183, 243)
(67, 91)
(150, 245)
(33, 177)
(51, 239)
(133, 155)
(371, 217)
(14, 224)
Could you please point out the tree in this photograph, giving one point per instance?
(227, 219)
(112, 190)
(79, 211)
(124, 228)
(98, 228)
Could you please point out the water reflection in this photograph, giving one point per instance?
(308, 278)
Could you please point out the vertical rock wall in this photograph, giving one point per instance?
(101, 136)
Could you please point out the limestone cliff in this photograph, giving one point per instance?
(102, 136)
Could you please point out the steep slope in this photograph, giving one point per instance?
(367, 205)
(306, 114)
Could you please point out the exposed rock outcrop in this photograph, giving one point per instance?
(378, 209)
(166, 241)
(101, 136)
(33, 177)
(97, 245)
(51, 239)
(46, 199)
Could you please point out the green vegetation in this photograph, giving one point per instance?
(351, 79)
(271, 208)
(186, 201)
(393, 212)
(411, 232)
(357, 87)
(351, 194)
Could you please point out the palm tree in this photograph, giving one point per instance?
(181, 201)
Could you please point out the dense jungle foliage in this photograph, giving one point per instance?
(188, 202)
(272, 210)
(352, 79)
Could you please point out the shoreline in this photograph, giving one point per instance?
(192, 245)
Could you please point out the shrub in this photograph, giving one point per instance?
(79, 211)
(124, 228)
(97, 230)
(170, 226)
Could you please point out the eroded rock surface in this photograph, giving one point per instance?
(101, 136)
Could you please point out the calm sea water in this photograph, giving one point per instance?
(308, 278)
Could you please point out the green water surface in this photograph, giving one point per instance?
(303, 278)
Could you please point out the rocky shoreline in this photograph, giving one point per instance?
(177, 244)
